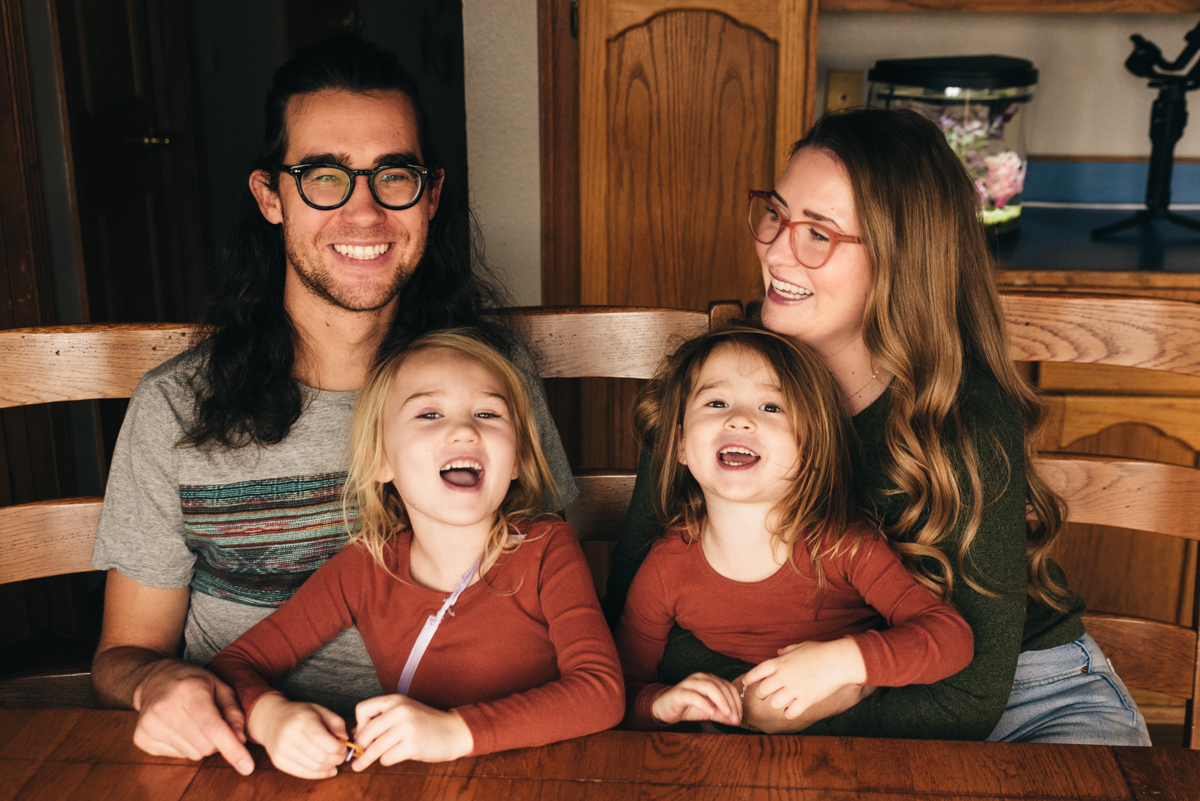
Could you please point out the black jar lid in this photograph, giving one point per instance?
(971, 72)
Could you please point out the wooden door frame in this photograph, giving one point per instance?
(558, 103)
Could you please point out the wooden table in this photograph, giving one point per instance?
(89, 754)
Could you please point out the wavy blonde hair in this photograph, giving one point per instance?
(374, 512)
(820, 508)
(934, 305)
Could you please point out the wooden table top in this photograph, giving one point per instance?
(89, 754)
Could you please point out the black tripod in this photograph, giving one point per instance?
(1167, 121)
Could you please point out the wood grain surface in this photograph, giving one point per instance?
(57, 363)
(603, 498)
(604, 341)
(88, 754)
(695, 93)
(1150, 333)
(47, 538)
(1126, 493)
(1020, 6)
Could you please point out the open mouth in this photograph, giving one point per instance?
(789, 291)
(362, 252)
(737, 456)
(463, 473)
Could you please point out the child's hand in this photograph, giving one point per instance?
(806, 673)
(701, 696)
(393, 728)
(301, 739)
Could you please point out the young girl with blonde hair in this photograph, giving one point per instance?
(766, 547)
(479, 610)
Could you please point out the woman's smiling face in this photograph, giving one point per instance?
(822, 307)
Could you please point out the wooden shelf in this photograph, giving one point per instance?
(1020, 6)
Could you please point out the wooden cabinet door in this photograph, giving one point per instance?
(683, 107)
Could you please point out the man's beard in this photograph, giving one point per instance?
(312, 272)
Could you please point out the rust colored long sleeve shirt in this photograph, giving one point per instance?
(522, 669)
(906, 635)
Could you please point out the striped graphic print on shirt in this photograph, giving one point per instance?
(256, 542)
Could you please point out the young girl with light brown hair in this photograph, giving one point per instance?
(767, 557)
(476, 608)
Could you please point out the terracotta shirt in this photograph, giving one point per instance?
(523, 669)
(907, 636)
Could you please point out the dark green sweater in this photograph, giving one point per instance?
(967, 705)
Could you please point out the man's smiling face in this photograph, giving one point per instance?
(357, 256)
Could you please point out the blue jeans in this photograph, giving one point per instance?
(1070, 694)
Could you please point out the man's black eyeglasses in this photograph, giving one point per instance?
(328, 186)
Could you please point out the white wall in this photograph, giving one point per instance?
(500, 65)
(1085, 104)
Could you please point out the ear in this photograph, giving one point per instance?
(385, 474)
(681, 454)
(268, 200)
(435, 193)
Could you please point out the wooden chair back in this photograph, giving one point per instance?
(48, 538)
(1129, 494)
(68, 363)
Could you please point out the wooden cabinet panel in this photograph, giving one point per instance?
(693, 91)
(1105, 379)
(1074, 417)
(682, 108)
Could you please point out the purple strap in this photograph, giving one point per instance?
(431, 627)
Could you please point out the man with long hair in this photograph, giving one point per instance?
(225, 489)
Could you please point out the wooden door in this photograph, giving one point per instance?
(133, 113)
(683, 107)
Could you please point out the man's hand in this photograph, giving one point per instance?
(393, 728)
(701, 696)
(302, 739)
(185, 711)
(806, 673)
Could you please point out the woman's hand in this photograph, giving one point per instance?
(761, 716)
(393, 728)
(701, 696)
(301, 739)
(806, 673)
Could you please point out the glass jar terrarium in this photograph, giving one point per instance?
(978, 103)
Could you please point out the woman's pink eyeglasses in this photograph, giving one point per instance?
(812, 243)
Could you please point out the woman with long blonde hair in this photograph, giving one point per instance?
(873, 256)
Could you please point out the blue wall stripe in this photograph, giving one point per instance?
(1104, 182)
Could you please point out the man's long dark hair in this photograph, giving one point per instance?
(245, 390)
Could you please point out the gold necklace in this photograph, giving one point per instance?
(874, 375)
